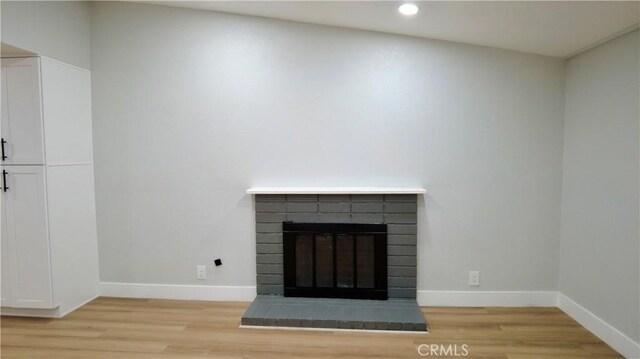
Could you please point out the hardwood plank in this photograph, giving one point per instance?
(151, 328)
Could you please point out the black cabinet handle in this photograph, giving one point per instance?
(4, 181)
(4, 157)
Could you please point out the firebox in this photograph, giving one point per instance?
(335, 260)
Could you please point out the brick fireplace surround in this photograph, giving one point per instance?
(398, 211)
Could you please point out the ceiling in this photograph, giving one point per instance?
(554, 28)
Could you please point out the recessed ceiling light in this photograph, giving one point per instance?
(408, 9)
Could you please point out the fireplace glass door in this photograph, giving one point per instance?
(335, 260)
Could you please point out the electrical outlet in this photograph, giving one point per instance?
(201, 272)
(474, 278)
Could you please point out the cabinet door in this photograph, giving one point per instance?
(25, 234)
(22, 111)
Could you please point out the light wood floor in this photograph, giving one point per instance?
(142, 328)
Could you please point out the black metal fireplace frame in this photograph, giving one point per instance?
(379, 233)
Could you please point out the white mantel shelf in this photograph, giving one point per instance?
(336, 190)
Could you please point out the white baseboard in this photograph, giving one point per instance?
(603, 330)
(44, 313)
(31, 312)
(182, 292)
(486, 298)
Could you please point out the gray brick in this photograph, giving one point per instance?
(249, 321)
(270, 217)
(293, 312)
(402, 239)
(268, 227)
(383, 323)
(402, 292)
(400, 218)
(367, 207)
(401, 207)
(269, 248)
(357, 314)
(394, 271)
(334, 207)
(369, 325)
(271, 317)
(367, 198)
(331, 317)
(371, 316)
(421, 327)
(263, 238)
(252, 309)
(401, 261)
(402, 229)
(302, 217)
(259, 313)
(400, 198)
(302, 198)
(270, 198)
(274, 269)
(269, 259)
(271, 207)
(302, 206)
(268, 289)
(334, 217)
(306, 315)
(334, 198)
(269, 279)
(407, 327)
(402, 282)
(401, 250)
(367, 218)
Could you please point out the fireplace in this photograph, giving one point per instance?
(335, 260)
(397, 212)
(319, 255)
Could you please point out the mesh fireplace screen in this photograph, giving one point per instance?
(335, 260)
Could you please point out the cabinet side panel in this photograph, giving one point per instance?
(72, 229)
(66, 97)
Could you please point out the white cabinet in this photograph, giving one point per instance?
(26, 266)
(49, 241)
(21, 112)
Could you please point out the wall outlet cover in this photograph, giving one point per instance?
(474, 278)
(201, 272)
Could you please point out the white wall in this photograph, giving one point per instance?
(192, 108)
(57, 29)
(600, 251)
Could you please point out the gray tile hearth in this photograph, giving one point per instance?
(392, 314)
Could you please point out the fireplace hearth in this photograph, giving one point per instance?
(335, 260)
